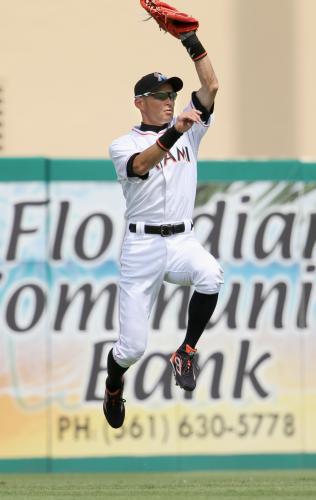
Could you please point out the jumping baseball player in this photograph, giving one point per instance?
(156, 164)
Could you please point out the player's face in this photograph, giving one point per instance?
(155, 111)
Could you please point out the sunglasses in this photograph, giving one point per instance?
(160, 96)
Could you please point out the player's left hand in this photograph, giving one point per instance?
(186, 119)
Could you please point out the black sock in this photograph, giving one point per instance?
(115, 374)
(201, 308)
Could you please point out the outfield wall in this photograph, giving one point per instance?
(255, 403)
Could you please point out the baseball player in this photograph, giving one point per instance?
(156, 164)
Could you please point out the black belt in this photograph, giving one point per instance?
(163, 230)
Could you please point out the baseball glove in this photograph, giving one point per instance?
(170, 19)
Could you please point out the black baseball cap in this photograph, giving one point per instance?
(153, 81)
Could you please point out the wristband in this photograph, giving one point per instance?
(193, 45)
(168, 139)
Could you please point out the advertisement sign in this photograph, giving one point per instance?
(60, 250)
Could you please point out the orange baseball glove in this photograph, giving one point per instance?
(170, 19)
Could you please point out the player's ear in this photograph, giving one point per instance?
(139, 103)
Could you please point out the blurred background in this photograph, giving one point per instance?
(68, 67)
(67, 73)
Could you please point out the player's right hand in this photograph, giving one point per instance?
(186, 119)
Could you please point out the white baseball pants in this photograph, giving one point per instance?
(146, 261)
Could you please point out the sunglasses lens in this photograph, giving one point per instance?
(163, 96)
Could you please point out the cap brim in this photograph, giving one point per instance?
(175, 82)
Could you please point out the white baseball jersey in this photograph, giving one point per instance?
(168, 193)
(165, 196)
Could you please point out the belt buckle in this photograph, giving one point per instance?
(166, 230)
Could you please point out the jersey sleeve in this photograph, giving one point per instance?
(198, 130)
(206, 114)
(122, 151)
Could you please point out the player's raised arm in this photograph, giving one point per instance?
(209, 83)
(184, 27)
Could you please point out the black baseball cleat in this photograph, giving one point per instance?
(184, 368)
(113, 407)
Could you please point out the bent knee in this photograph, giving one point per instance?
(126, 356)
(210, 279)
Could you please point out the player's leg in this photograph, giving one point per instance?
(201, 309)
(143, 261)
(134, 309)
(190, 264)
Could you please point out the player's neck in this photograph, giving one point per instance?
(153, 128)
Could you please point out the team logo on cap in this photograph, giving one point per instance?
(160, 77)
